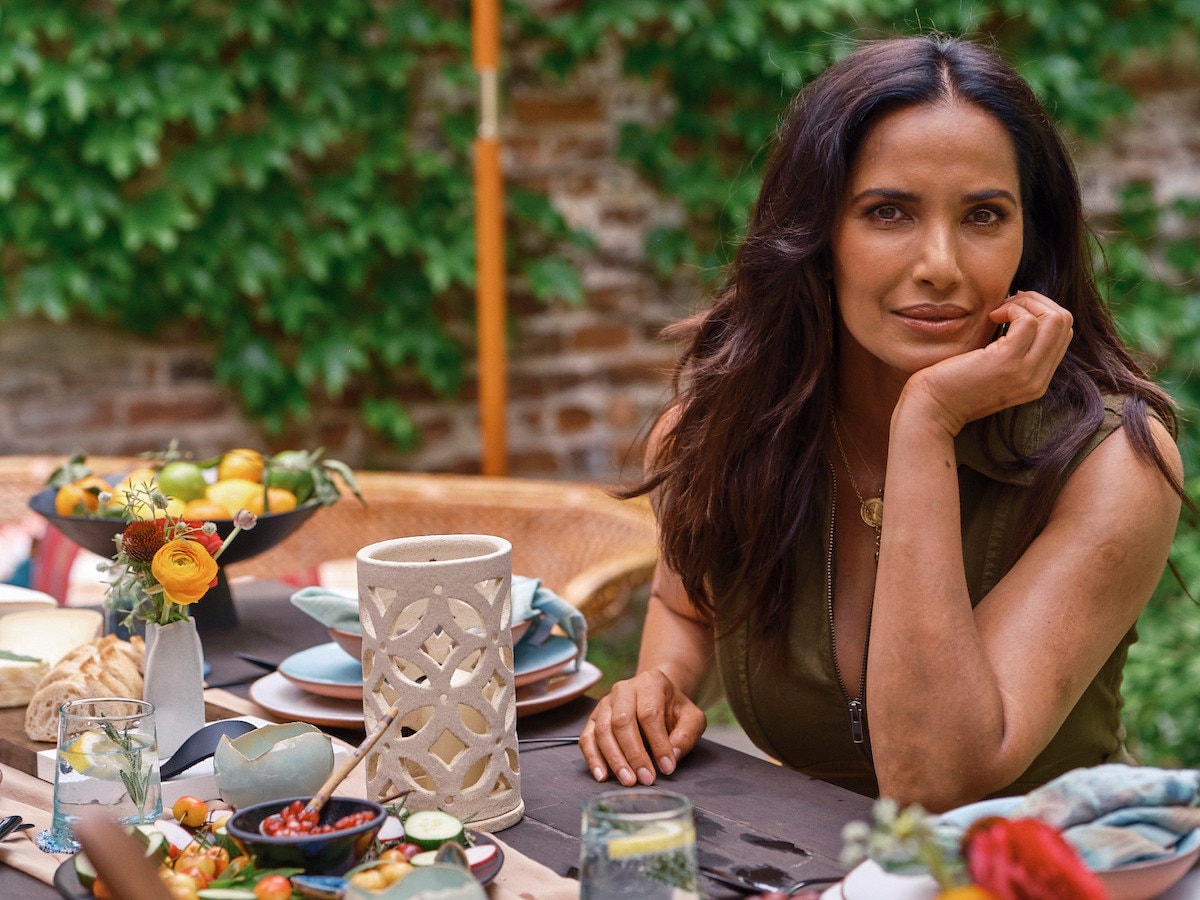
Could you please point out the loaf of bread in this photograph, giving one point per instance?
(105, 667)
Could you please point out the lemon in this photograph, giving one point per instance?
(233, 493)
(657, 837)
(80, 754)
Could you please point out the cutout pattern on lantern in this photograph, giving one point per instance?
(437, 641)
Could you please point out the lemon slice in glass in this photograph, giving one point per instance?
(657, 837)
(82, 752)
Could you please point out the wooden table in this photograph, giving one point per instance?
(747, 811)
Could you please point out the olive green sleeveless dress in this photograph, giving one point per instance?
(799, 716)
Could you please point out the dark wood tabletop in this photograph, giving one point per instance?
(748, 811)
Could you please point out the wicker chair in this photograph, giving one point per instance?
(593, 550)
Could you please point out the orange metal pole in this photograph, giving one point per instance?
(489, 241)
(490, 306)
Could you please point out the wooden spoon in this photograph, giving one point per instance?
(338, 775)
(348, 765)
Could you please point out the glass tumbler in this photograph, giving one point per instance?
(638, 843)
(106, 762)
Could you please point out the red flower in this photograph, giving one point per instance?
(210, 542)
(1026, 859)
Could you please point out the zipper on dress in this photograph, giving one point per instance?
(857, 708)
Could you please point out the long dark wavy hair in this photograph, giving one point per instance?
(741, 468)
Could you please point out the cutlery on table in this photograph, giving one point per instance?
(12, 824)
(544, 742)
(739, 879)
(264, 664)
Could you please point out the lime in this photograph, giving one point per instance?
(80, 754)
(292, 471)
(182, 480)
(657, 837)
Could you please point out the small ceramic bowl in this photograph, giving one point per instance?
(350, 641)
(333, 853)
(271, 762)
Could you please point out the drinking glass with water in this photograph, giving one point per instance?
(106, 762)
(638, 843)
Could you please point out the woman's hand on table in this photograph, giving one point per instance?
(644, 725)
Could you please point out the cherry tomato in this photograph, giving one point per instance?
(273, 887)
(408, 849)
(190, 811)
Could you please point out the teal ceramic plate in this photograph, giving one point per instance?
(534, 663)
(326, 670)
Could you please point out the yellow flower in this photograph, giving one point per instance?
(185, 569)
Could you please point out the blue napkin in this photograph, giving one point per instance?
(331, 609)
(530, 600)
(1116, 814)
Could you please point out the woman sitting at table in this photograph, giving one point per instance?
(912, 490)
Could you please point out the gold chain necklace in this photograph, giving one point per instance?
(870, 509)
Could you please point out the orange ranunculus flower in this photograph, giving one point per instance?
(185, 569)
(1026, 859)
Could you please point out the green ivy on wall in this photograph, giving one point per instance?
(290, 179)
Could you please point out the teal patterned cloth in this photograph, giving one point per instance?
(1116, 814)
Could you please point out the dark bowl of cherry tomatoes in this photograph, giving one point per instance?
(280, 834)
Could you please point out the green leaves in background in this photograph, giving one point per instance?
(293, 180)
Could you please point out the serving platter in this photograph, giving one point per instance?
(66, 882)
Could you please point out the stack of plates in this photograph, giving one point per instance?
(323, 684)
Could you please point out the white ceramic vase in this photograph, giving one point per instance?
(436, 616)
(175, 682)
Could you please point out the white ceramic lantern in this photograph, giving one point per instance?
(436, 616)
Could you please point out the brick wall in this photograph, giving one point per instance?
(583, 381)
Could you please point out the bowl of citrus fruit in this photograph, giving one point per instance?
(283, 490)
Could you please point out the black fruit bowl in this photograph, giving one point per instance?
(333, 853)
(97, 534)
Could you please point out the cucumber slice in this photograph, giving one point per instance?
(157, 846)
(225, 894)
(85, 871)
(424, 858)
(430, 828)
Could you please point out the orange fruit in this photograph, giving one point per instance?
(278, 500)
(204, 509)
(71, 500)
(241, 463)
(81, 496)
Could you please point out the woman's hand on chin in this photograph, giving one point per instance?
(1015, 368)
(645, 725)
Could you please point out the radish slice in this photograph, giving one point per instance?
(177, 835)
(392, 829)
(481, 855)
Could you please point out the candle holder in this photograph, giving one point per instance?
(436, 616)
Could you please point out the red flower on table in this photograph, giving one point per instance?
(1026, 859)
